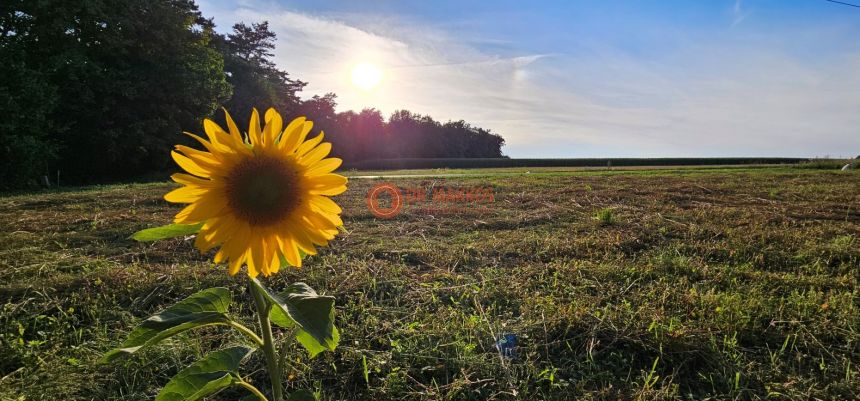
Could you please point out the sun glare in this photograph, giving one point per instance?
(366, 76)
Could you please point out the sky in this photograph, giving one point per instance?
(582, 78)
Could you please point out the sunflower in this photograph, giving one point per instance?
(263, 198)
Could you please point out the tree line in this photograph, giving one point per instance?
(100, 90)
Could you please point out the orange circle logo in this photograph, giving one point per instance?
(373, 200)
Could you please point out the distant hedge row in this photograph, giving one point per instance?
(396, 164)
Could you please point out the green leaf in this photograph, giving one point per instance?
(204, 308)
(164, 232)
(364, 370)
(312, 315)
(206, 376)
(302, 395)
(285, 264)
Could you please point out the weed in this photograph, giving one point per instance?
(605, 217)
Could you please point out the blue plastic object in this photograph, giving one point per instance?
(507, 345)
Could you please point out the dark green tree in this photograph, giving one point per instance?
(122, 79)
(27, 98)
(256, 80)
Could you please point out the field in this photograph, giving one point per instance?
(688, 284)
(484, 162)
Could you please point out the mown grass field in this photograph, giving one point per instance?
(687, 284)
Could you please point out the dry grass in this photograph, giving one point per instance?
(718, 284)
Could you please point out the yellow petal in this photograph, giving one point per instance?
(319, 226)
(316, 154)
(331, 218)
(291, 253)
(270, 112)
(237, 244)
(203, 159)
(327, 184)
(215, 133)
(189, 166)
(204, 208)
(220, 256)
(270, 250)
(274, 125)
(321, 222)
(235, 264)
(275, 262)
(294, 135)
(202, 244)
(309, 144)
(192, 180)
(303, 242)
(219, 229)
(187, 194)
(253, 271)
(324, 166)
(214, 148)
(254, 127)
(326, 181)
(257, 256)
(333, 191)
(299, 225)
(324, 204)
(238, 142)
(292, 228)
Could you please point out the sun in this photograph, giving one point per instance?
(366, 76)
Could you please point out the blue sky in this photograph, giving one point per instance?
(590, 78)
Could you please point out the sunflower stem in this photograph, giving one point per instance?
(247, 332)
(260, 396)
(268, 347)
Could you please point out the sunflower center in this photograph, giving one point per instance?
(262, 190)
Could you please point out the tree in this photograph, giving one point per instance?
(102, 89)
(125, 77)
(321, 110)
(256, 80)
(27, 99)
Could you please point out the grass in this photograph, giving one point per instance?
(605, 217)
(709, 284)
(483, 163)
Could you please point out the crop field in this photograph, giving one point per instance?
(485, 162)
(687, 284)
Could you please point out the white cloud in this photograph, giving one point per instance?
(739, 97)
(738, 13)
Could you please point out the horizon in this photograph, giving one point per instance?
(617, 79)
